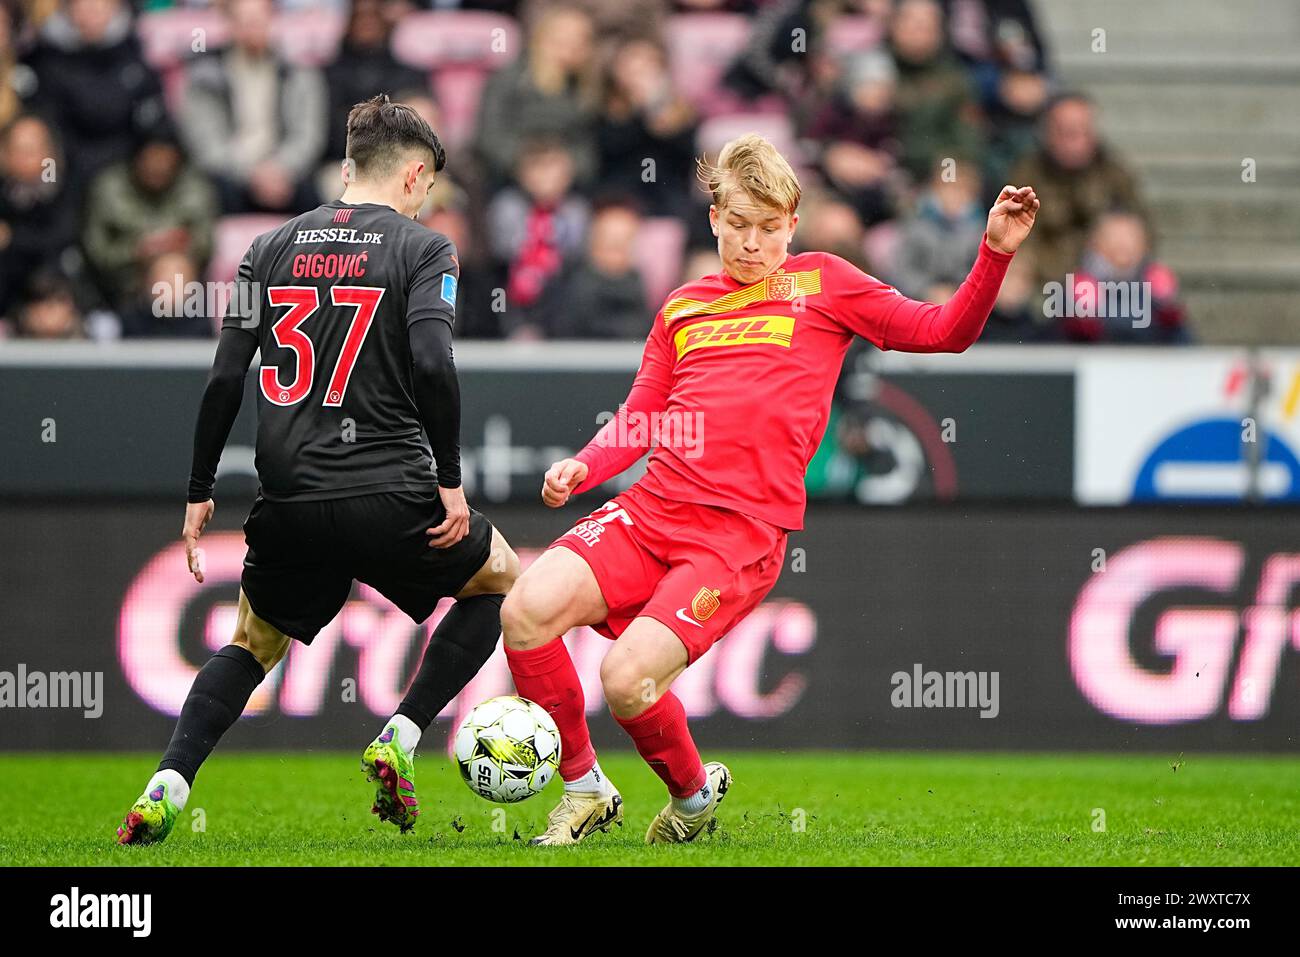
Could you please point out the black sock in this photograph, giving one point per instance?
(463, 640)
(216, 700)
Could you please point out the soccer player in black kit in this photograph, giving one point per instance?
(352, 307)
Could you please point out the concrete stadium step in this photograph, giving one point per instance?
(1248, 111)
(1251, 60)
(1249, 18)
(1238, 264)
(1165, 167)
(1241, 317)
(1243, 211)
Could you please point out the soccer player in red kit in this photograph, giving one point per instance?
(732, 398)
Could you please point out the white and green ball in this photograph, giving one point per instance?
(507, 749)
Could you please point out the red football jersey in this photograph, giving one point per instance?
(735, 385)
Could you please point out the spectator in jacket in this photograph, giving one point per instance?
(92, 82)
(1078, 179)
(1016, 317)
(16, 80)
(252, 121)
(772, 62)
(942, 235)
(48, 309)
(1005, 54)
(1121, 293)
(364, 67)
(153, 204)
(551, 91)
(478, 302)
(828, 224)
(38, 224)
(938, 109)
(646, 132)
(600, 295)
(856, 127)
(533, 226)
(163, 301)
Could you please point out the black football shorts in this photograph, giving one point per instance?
(303, 556)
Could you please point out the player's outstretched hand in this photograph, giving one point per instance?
(1012, 217)
(197, 516)
(561, 479)
(456, 525)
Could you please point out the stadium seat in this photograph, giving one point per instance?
(170, 36)
(881, 246)
(854, 34)
(458, 90)
(439, 38)
(660, 248)
(700, 47)
(231, 239)
(173, 84)
(309, 37)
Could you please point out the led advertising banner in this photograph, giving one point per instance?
(1165, 630)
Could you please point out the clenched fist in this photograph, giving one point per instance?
(1011, 218)
(561, 479)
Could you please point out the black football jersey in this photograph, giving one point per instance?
(330, 296)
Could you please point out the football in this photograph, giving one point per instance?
(507, 749)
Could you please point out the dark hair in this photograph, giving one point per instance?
(379, 131)
(161, 131)
(540, 145)
(605, 202)
(1067, 96)
(47, 283)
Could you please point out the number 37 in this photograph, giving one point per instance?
(303, 301)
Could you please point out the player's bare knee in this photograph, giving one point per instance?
(628, 688)
(526, 617)
(263, 642)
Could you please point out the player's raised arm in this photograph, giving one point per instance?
(431, 313)
(618, 445)
(221, 400)
(880, 313)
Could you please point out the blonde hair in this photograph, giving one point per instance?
(752, 165)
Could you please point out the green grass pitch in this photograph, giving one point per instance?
(784, 809)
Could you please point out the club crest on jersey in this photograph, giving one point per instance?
(705, 603)
(780, 287)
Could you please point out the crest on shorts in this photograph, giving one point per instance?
(780, 287)
(705, 603)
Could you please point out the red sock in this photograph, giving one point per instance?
(545, 674)
(662, 738)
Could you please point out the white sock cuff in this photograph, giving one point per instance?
(408, 732)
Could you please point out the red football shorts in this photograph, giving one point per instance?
(695, 568)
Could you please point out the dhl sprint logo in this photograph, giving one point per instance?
(774, 330)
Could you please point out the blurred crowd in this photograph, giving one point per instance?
(141, 147)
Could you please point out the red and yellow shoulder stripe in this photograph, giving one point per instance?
(779, 286)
